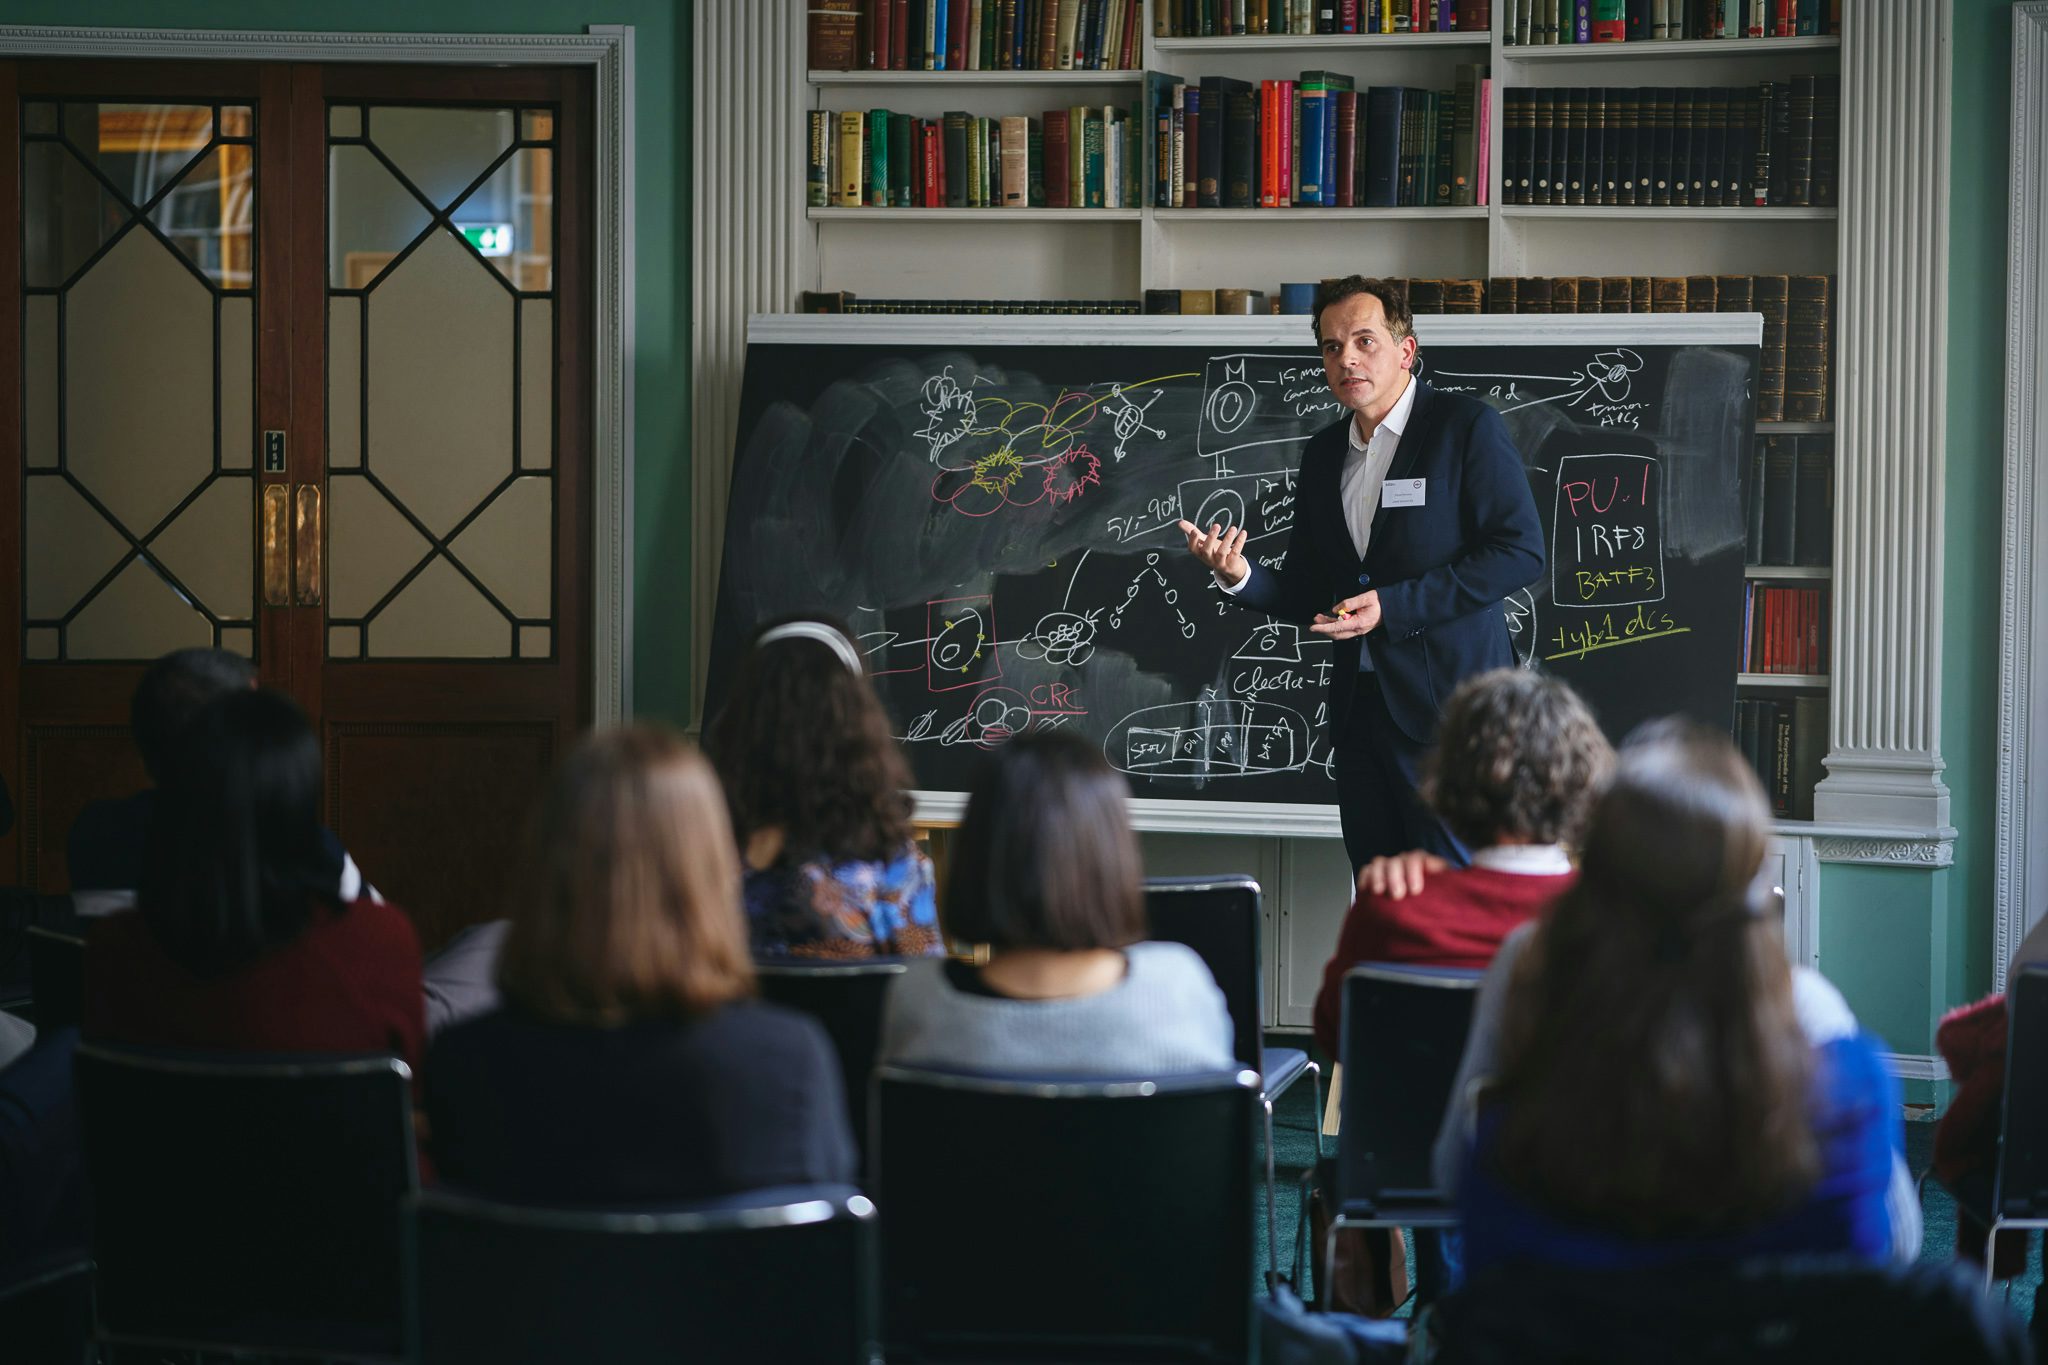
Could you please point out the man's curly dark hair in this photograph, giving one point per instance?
(803, 745)
(1518, 756)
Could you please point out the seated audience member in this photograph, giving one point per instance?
(42, 1176)
(108, 840)
(1046, 873)
(1517, 763)
(816, 788)
(1647, 1081)
(630, 1063)
(240, 940)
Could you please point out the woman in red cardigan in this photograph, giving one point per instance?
(240, 941)
(1517, 763)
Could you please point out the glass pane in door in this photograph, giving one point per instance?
(138, 347)
(440, 374)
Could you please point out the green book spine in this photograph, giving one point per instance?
(977, 142)
(818, 175)
(878, 159)
(1035, 143)
(1091, 171)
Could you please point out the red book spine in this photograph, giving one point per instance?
(928, 164)
(1485, 172)
(956, 34)
(1290, 138)
(1347, 16)
(1056, 159)
(1127, 55)
(1767, 661)
(899, 35)
(1474, 16)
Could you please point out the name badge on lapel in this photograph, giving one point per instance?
(1402, 492)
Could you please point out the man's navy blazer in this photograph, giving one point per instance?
(1441, 569)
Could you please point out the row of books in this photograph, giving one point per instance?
(1785, 739)
(1548, 22)
(1317, 142)
(1236, 18)
(974, 35)
(1793, 382)
(1775, 143)
(1784, 628)
(1081, 157)
(1792, 502)
(843, 301)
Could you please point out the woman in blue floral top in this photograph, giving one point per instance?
(816, 787)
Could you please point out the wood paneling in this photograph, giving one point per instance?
(67, 768)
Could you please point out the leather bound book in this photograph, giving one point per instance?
(1564, 294)
(1345, 183)
(1686, 143)
(1211, 149)
(1701, 294)
(1533, 294)
(1667, 294)
(1425, 296)
(1614, 294)
(1464, 296)
(1710, 165)
(1162, 300)
(903, 168)
(1605, 134)
(1781, 467)
(1663, 106)
(1543, 129)
(1639, 294)
(1576, 113)
(1627, 103)
(1382, 139)
(1592, 294)
(1807, 349)
(1240, 147)
(1813, 529)
(1197, 301)
(1501, 295)
(1015, 161)
(1464, 135)
(832, 35)
(1241, 302)
(1798, 168)
(1734, 294)
(1058, 156)
(1827, 136)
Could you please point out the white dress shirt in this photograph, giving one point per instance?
(1365, 468)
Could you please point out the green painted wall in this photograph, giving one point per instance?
(1906, 946)
(661, 369)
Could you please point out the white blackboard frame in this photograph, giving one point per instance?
(1260, 818)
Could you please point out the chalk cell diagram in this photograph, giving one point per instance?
(1286, 394)
(960, 643)
(995, 450)
(1063, 638)
(1263, 504)
(1274, 642)
(1203, 739)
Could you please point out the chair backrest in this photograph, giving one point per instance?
(1760, 1312)
(1219, 918)
(1053, 1219)
(248, 1202)
(1402, 1037)
(788, 1278)
(847, 998)
(2022, 1184)
(56, 974)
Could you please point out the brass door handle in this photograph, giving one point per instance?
(277, 545)
(307, 544)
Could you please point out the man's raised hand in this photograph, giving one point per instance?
(1222, 551)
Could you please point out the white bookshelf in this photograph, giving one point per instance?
(1120, 253)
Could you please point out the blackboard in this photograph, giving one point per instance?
(990, 504)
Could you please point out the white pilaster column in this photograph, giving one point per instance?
(1884, 764)
(751, 246)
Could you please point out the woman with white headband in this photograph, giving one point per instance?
(816, 787)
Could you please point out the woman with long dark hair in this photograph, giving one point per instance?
(1648, 1080)
(817, 792)
(240, 939)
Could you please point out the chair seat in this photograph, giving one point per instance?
(1280, 1067)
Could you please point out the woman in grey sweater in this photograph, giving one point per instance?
(1046, 873)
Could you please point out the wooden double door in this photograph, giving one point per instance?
(295, 362)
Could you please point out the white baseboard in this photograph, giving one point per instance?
(1909, 1066)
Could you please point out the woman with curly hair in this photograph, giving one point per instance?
(816, 787)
